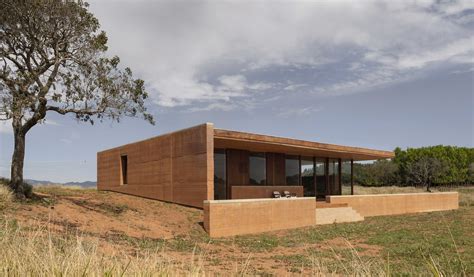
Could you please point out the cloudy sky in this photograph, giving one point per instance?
(375, 74)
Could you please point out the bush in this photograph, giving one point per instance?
(454, 163)
(379, 173)
(432, 165)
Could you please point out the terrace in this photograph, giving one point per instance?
(250, 168)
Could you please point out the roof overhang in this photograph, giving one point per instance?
(264, 143)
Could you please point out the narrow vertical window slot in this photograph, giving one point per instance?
(124, 165)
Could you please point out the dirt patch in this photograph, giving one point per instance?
(108, 213)
(356, 246)
(129, 224)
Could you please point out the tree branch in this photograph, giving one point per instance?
(64, 111)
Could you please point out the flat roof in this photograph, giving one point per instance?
(264, 143)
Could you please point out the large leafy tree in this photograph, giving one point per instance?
(426, 170)
(52, 60)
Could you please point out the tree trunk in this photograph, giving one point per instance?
(16, 183)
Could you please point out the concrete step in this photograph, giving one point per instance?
(337, 215)
(324, 204)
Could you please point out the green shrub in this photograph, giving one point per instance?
(436, 165)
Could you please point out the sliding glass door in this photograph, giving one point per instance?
(292, 170)
(307, 176)
(334, 177)
(318, 176)
(320, 169)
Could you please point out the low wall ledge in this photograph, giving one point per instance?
(393, 194)
(233, 201)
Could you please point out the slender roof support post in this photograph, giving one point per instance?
(352, 177)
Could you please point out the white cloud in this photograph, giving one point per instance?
(219, 106)
(293, 87)
(188, 90)
(460, 48)
(455, 7)
(389, 68)
(233, 83)
(291, 112)
(207, 51)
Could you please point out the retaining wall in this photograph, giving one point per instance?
(403, 203)
(237, 217)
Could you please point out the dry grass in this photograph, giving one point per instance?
(466, 196)
(39, 252)
(6, 197)
(466, 193)
(360, 190)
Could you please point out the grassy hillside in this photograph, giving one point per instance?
(71, 231)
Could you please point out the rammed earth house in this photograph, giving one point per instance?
(233, 175)
(205, 163)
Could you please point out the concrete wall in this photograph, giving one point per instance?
(251, 192)
(176, 167)
(393, 204)
(246, 216)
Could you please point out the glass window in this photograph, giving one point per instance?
(346, 177)
(307, 176)
(257, 168)
(220, 185)
(334, 188)
(320, 177)
(292, 170)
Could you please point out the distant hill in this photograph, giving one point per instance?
(86, 184)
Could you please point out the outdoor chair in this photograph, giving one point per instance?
(287, 194)
(276, 194)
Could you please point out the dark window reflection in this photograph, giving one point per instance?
(220, 187)
(292, 170)
(307, 176)
(257, 168)
(320, 178)
(334, 177)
